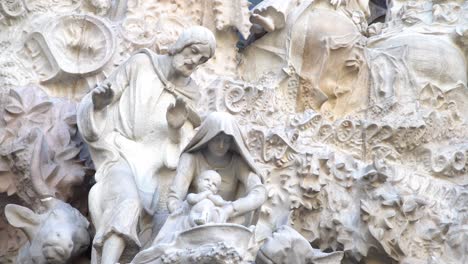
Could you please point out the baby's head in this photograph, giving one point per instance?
(208, 180)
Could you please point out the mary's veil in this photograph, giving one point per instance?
(221, 122)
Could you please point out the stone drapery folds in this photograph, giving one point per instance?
(335, 126)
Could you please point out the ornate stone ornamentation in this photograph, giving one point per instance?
(42, 164)
(209, 131)
(71, 45)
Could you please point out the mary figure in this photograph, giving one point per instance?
(218, 145)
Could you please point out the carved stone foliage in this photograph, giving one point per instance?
(41, 156)
(40, 146)
(332, 169)
(342, 198)
(354, 114)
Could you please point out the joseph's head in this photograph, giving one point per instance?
(195, 46)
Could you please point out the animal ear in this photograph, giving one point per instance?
(23, 218)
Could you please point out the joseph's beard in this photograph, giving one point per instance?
(184, 67)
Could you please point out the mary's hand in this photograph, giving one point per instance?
(177, 114)
(226, 212)
(102, 96)
(174, 205)
(217, 200)
(178, 211)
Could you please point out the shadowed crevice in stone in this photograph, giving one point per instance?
(378, 11)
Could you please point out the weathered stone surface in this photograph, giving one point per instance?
(335, 126)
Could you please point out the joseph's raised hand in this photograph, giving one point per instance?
(336, 3)
(177, 114)
(102, 96)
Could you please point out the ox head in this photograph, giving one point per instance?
(55, 236)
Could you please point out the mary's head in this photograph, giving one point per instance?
(219, 134)
(219, 145)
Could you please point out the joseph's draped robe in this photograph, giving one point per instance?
(129, 143)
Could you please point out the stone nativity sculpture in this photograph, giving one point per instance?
(144, 109)
(217, 149)
(320, 131)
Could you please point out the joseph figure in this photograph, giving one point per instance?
(136, 125)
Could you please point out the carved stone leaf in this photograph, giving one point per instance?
(353, 241)
(49, 172)
(41, 107)
(37, 117)
(297, 202)
(70, 120)
(68, 153)
(377, 233)
(62, 135)
(15, 97)
(276, 195)
(14, 109)
(409, 206)
(458, 237)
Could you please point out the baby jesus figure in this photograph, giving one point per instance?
(206, 203)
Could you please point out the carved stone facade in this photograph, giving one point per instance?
(210, 131)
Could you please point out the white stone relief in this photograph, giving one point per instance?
(120, 140)
(288, 246)
(73, 45)
(339, 133)
(57, 236)
(216, 161)
(42, 165)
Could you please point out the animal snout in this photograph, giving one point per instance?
(58, 249)
(60, 239)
